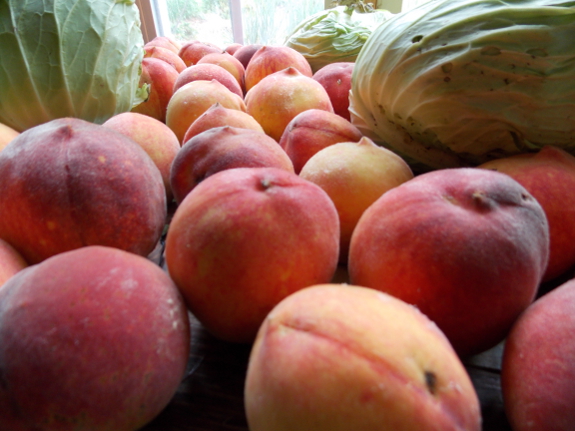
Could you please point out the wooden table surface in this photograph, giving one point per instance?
(210, 397)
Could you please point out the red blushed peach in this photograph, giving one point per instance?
(312, 130)
(160, 77)
(193, 50)
(219, 116)
(269, 59)
(467, 246)
(11, 262)
(193, 99)
(245, 53)
(95, 338)
(228, 62)
(549, 175)
(538, 371)
(336, 79)
(157, 140)
(232, 48)
(279, 97)
(165, 42)
(167, 55)
(341, 357)
(207, 72)
(222, 148)
(69, 183)
(244, 239)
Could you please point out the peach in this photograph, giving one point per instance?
(343, 357)
(233, 47)
(69, 183)
(537, 370)
(467, 246)
(228, 62)
(11, 262)
(222, 148)
(207, 72)
(245, 238)
(94, 338)
(169, 56)
(160, 77)
(219, 116)
(193, 50)
(269, 59)
(336, 79)
(193, 99)
(279, 97)
(6, 135)
(314, 129)
(245, 53)
(549, 175)
(157, 140)
(165, 42)
(355, 175)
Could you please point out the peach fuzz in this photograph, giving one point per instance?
(271, 58)
(342, 357)
(279, 97)
(160, 78)
(336, 79)
(69, 183)
(167, 55)
(245, 238)
(538, 371)
(207, 72)
(222, 148)
(193, 50)
(219, 116)
(156, 139)
(467, 246)
(11, 262)
(312, 130)
(229, 63)
(95, 338)
(549, 175)
(193, 99)
(355, 175)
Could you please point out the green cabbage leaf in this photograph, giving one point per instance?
(68, 58)
(460, 82)
(334, 35)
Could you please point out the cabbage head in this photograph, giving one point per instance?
(460, 82)
(68, 58)
(334, 35)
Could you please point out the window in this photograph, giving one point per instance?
(223, 22)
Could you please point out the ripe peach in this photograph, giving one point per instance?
(94, 338)
(279, 97)
(355, 175)
(342, 357)
(549, 175)
(6, 135)
(538, 371)
(219, 116)
(172, 58)
(228, 62)
(336, 79)
(193, 99)
(160, 77)
(222, 148)
(11, 262)
(165, 42)
(232, 48)
(193, 50)
(157, 140)
(69, 183)
(467, 246)
(244, 239)
(245, 53)
(269, 59)
(207, 72)
(314, 129)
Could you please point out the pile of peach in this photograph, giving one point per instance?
(246, 170)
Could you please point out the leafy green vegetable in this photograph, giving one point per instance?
(334, 35)
(459, 82)
(68, 58)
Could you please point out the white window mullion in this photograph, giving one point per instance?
(236, 16)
